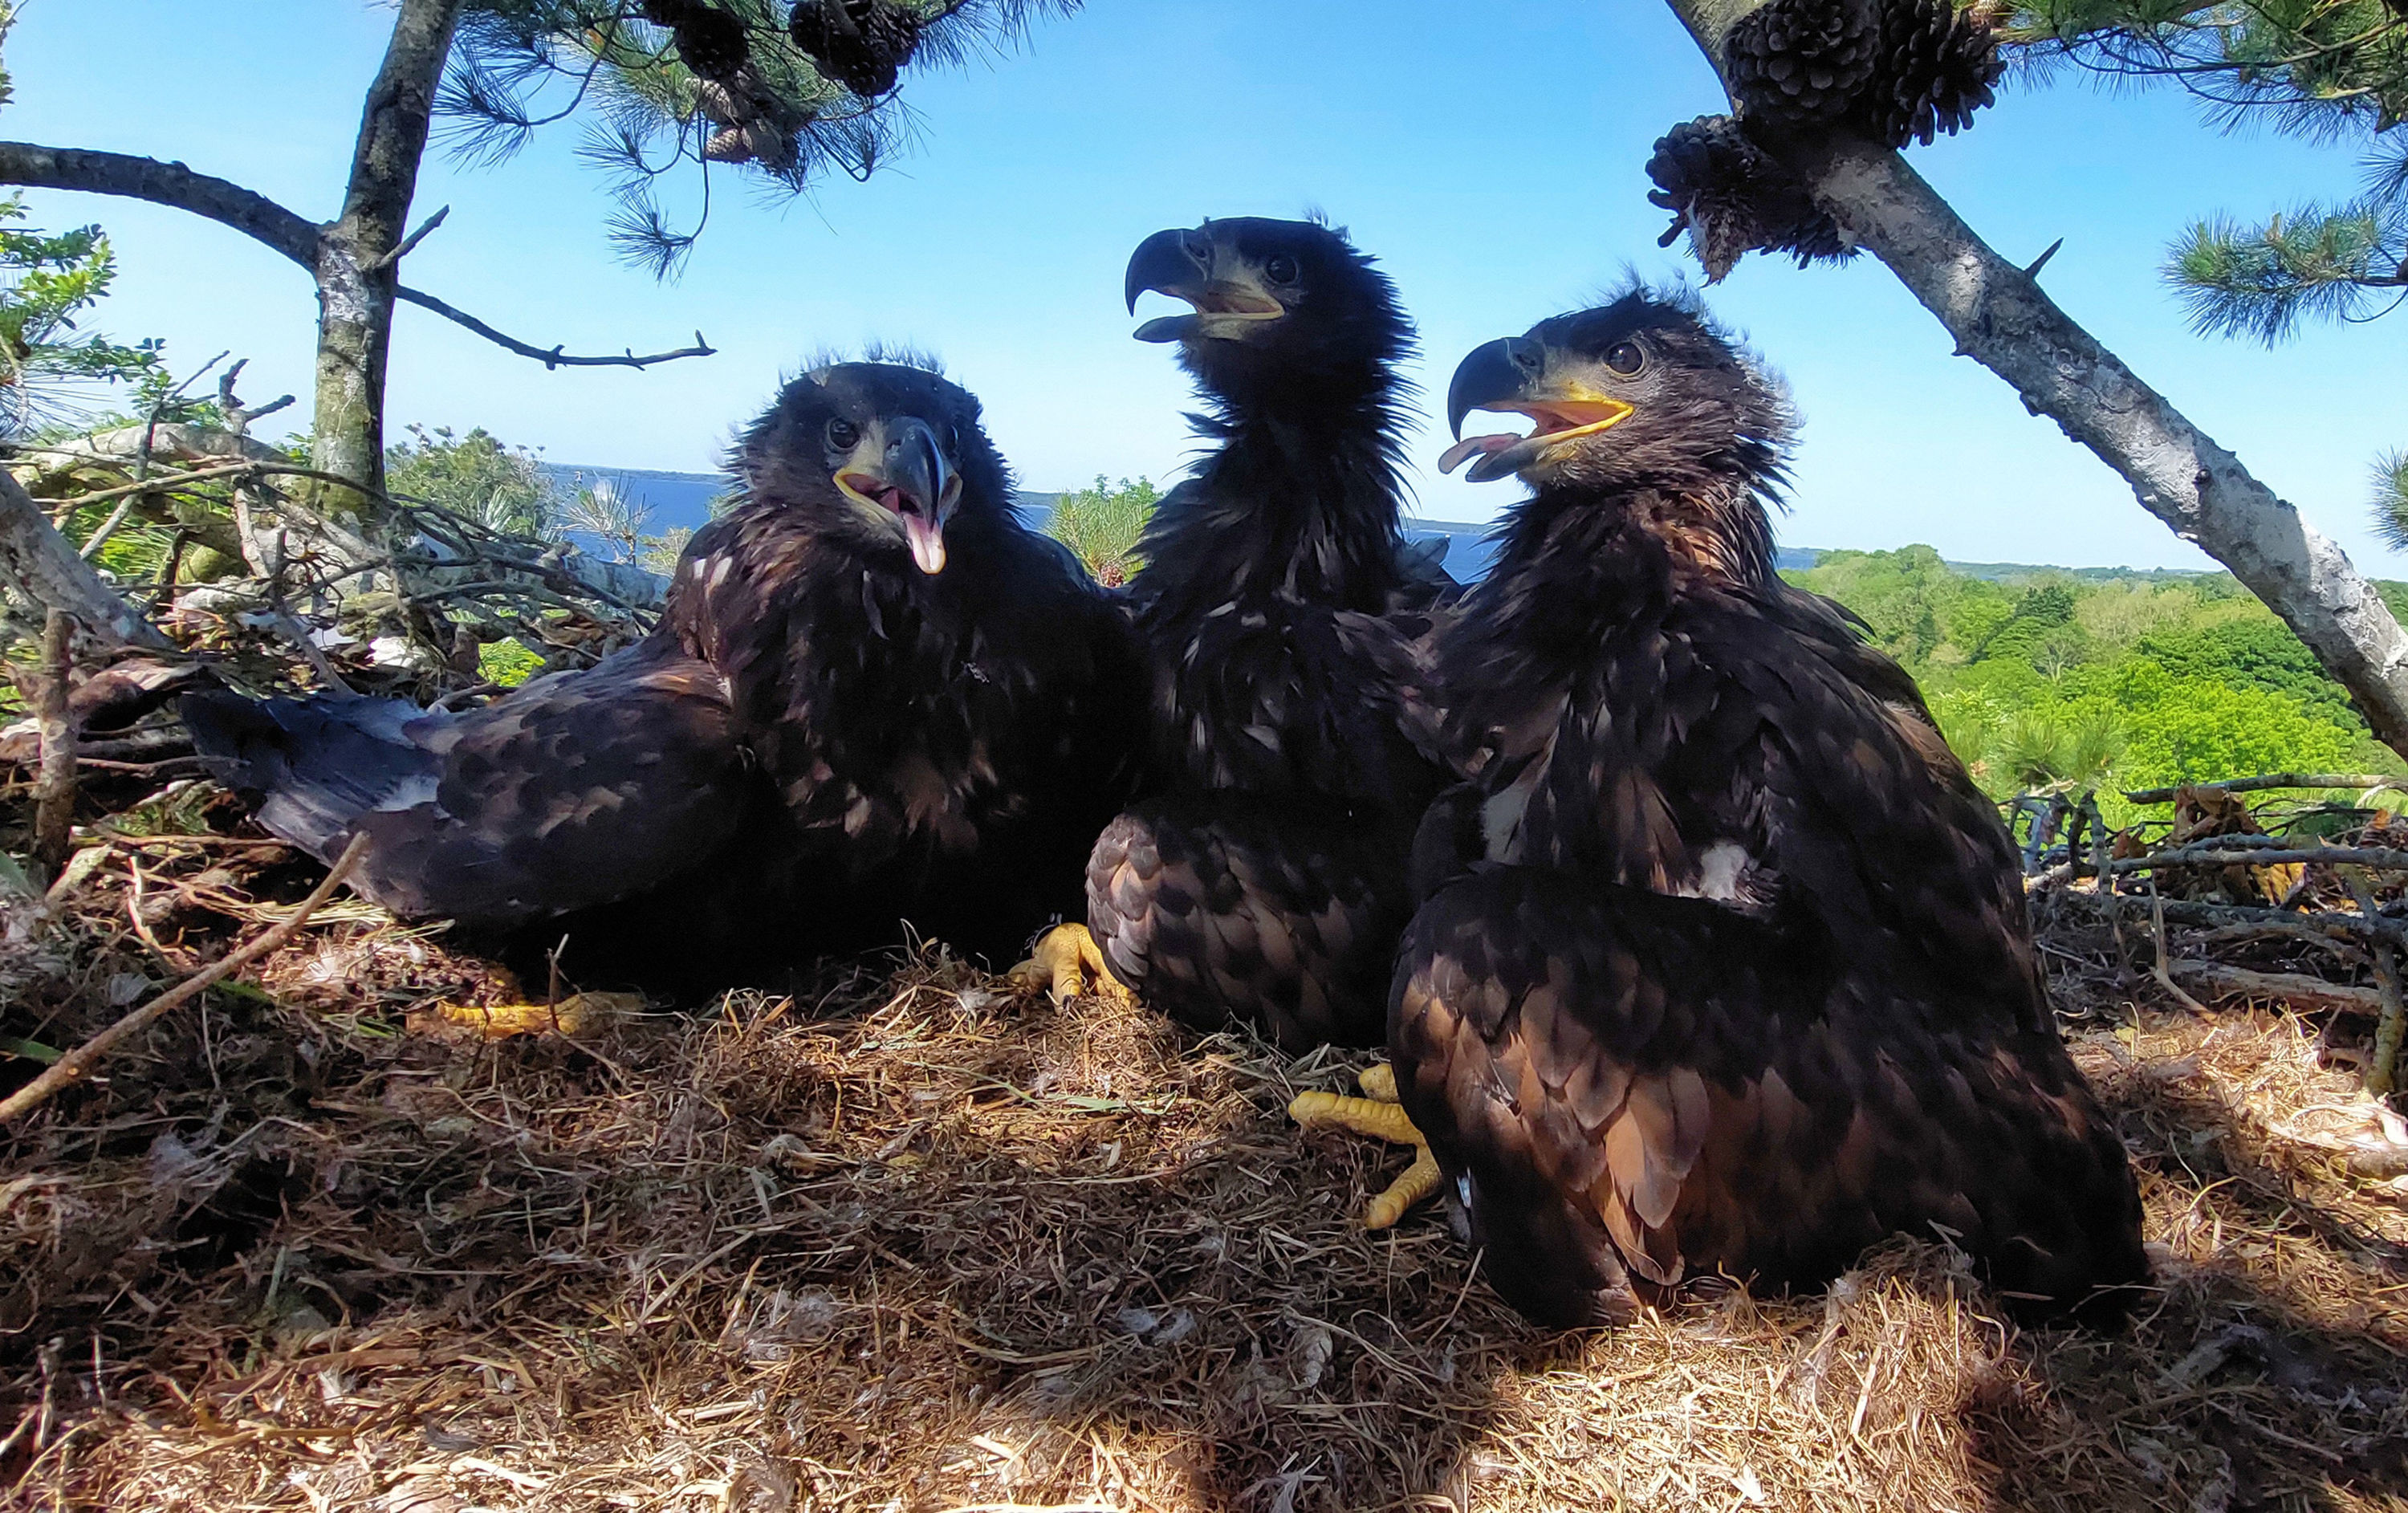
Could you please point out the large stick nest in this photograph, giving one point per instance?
(914, 1244)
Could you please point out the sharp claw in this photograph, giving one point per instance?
(1379, 1115)
(1068, 962)
(1419, 1182)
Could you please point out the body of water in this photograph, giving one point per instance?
(675, 499)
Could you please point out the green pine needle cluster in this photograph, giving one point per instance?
(1102, 525)
(2329, 70)
(2391, 498)
(656, 130)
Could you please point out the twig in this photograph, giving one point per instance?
(409, 243)
(2272, 779)
(2222, 981)
(163, 483)
(72, 1066)
(2166, 979)
(554, 358)
(2382, 1072)
(54, 791)
(2221, 855)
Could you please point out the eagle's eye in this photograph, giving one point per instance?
(843, 434)
(1626, 358)
(1280, 269)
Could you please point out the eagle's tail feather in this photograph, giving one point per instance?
(316, 764)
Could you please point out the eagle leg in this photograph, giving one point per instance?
(1066, 962)
(1377, 1114)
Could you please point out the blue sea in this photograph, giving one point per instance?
(684, 499)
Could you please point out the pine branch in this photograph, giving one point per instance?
(553, 357)
(170, 184)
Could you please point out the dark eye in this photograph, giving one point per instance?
(1280, 269)
(1626, 358)
(843, 434)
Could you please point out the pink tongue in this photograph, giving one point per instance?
(927, 540)
(1454, 456)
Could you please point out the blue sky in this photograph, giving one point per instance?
(1492, 155)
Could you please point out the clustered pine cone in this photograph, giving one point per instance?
(1731, 197)
(1938, 66)
(1804, 62)
(861, 44)
(1899, 70)
(710, 41)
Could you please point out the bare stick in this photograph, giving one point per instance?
(54, 791)
(72, 1066)
(2382, 1072)
(2219, 855)
(2165, 978)
(554, 358)
(2272, 779)
(2220, 981)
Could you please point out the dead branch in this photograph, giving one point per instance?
(36, 562)
(2217, 980)
(554, 357)
(2274, 780)
(2223, 856)
(54, 791)
(75, 1064)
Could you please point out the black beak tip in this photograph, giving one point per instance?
(1160, 261)
(1486, 373)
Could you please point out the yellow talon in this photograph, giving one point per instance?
(1379, 1115)
(1066, 959)
(1364, 1116)
(1419, 1182)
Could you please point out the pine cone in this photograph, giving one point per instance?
(1732, 198)
(710, 41)
(1937, 68)
(1803, 63)
(861, 44)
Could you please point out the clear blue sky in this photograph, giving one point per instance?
(1492, 155)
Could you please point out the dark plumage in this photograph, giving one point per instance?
(874, 695)
(1261, 879)
(1724, 966)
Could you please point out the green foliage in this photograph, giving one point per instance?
(2320, 263)
(655, 120)
(478, 477)
(2391, 502)
(2324, 69)
(507, 662)
(50, 368)
(1102, 523)
(2056, 681)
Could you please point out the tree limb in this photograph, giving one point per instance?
(2001, 319)
(553, 358)
(36, 562)
(171, 184)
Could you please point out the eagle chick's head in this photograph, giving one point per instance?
(881, 458)
(1279, 308)
(1641, 399)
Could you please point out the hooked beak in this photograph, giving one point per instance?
(1180, 263)
(1509, 375)
(900, 469)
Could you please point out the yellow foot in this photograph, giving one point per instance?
(1068, 962)
(1379, 1115)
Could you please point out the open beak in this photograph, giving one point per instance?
(900, 469)
(1181, 263)
(1509, 375)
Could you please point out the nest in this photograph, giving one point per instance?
(911, 1243)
